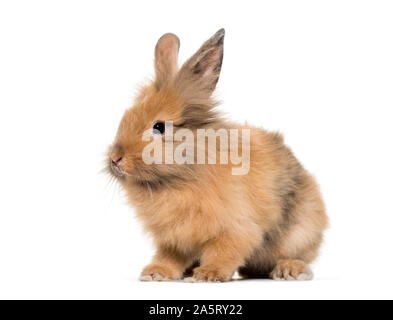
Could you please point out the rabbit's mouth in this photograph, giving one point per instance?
(118, 171)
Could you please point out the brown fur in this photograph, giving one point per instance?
(267, 222)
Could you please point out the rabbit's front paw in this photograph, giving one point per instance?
(157, 272)
(209, 274)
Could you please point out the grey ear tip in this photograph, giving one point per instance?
(218, 37)
(221, 32)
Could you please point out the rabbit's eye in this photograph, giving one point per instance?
(159, 127)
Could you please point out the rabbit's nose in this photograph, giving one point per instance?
(116, 161)
(116, 154)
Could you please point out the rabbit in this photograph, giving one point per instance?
(208, 223)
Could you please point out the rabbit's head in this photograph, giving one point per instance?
(176, 99)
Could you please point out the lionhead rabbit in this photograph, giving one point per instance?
(207, 220)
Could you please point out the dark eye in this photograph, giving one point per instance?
(159, 127)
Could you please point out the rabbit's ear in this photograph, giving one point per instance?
(166, 51)
(203, 68)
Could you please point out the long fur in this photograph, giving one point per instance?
(205, 221)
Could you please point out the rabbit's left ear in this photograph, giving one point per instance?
(202, 70)
(166, 52)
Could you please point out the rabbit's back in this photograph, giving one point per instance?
(288, 203)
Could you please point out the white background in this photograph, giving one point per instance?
(321, 72)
